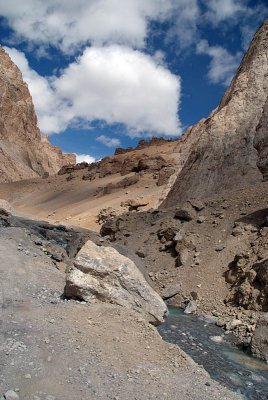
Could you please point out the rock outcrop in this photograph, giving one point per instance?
(23, 152)
(261, 142)
(101, 274)
(222, 155)
(259, 342)
(248, 272)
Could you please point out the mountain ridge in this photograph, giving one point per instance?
(24, 153)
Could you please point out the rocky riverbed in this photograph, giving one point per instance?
(217, 352)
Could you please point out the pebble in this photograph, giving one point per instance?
(216, 339)
(11, 395)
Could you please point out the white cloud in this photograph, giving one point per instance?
(186, 16)
(70, 24)
(115, 84)
(108, 142)
(119, 85)
(220, 10)
(222, 65)
(84, 157)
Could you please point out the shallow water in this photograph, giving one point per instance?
(209, 346)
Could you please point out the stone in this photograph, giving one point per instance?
(171, 291)
(105, 214)
(259, 341)
(6, 208)
(24, 153)
(179, 236)
(102, 274)
(233, 324)
(220, 247)
(238, 230)
(135, 204)
(183, 256)
(191, 307)
(141, 253)
(151, 163)
(167, 234)
(197, 204)
(201, 219)
(57, 253)
(185, 214)
(217, 339)
(11, 395)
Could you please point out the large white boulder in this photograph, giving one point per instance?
(102, 274)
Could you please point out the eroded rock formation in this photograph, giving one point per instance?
(23, 152)
(223, 156)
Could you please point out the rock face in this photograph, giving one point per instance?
(222, 155)
(259, 342)
(261, 142)
(23, 152)
(248, 272)
(102, 274)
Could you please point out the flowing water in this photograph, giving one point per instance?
(209, 346)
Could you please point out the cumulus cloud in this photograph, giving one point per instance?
(107, 141)
(120, 85)
(70, 24)
(222, 65)
(84, 157)
(114, 84)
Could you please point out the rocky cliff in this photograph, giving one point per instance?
(230, 147)
(23, 152)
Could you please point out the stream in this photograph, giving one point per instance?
(209, 346)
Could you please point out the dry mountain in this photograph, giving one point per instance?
(24, 153)
(230, 145)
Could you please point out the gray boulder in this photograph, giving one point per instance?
(102, 274)
(259, 342)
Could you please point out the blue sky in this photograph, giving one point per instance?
(106, 73)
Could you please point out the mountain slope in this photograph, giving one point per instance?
(23, 152)
(223, 156)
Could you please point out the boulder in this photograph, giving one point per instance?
(11, 395)
(183, 256)
(197, 204)
(102, 274)
(135, 204)
(191, 307)
(259, 341)
(105, 214)
(151, 163)
(171, 291)
(185, 214)
(6, 208)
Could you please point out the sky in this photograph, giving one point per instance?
(107, 73)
